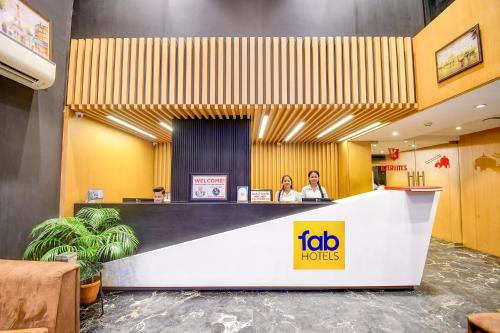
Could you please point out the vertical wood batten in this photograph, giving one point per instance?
(86, 71)
(94, 72)
(181, 48)
(79, 71)
(188, 93)
(133, 71)
(125, 71)
(141, 48)
(286, 77)
(156, 71)
(164, 71)
(117, 84)
(73, 49)
(197, 71)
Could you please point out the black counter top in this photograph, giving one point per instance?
(160, 225)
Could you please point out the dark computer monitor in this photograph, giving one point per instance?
(317, 200)
(137, 200)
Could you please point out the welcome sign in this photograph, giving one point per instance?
(209, 187)
(318, 245)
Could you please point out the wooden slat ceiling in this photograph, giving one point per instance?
(317, 80)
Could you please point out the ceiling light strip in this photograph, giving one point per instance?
(132, 127)
(294, 131)
(263, 125)
(362, 131)
(336, 125)
(167, 126)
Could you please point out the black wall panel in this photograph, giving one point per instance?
(210, 146)
(30, 142)
(275, 18)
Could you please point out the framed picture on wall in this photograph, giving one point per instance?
(460, 54)
(209, 187)
(27, 26)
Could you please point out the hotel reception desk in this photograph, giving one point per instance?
(372, 240)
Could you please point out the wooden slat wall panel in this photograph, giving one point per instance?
(118, 71)
(125, 70)
(110, 66)
(323, 70)
(79, 71)
(156, 71)
(312, 79)
(163, 165)
(270, 162)
(331, 71)
(291, 58)
(86, 72)
(133, 71)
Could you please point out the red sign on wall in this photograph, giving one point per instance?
(401, 167)
(394, 152)
(443, 162)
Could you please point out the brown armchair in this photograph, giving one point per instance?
(39, 295)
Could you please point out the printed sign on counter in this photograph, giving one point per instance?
(209, 187)
(261, 196)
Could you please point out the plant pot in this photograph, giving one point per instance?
(88, 292)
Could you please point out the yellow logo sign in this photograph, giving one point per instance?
(318, 245)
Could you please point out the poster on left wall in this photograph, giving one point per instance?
(24, 24)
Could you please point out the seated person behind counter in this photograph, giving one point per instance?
(159, 194)
(287, 194)
(314, 190)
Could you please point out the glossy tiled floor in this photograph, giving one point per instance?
(457, 281)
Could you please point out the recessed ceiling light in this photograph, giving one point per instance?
(428, 124)
(263, 125)
(132, 127)
(374, 145)
(294, 131)
(480, 106)
(395, 133)
(167, 126)
(413, 145)
(458, 128)
(364, 130)
(334, 126)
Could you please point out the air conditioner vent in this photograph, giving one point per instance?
(13, 71)
(23, 65)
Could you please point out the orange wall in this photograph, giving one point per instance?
(480, 190)
(98, 156)
(460, 16)
(355, 173)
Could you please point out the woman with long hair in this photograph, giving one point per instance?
(314, 189)
(287, 194)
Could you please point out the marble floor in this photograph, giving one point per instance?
(456, 281)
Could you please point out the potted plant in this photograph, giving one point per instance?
(94, 234)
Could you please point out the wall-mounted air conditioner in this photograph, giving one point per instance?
(20, 64)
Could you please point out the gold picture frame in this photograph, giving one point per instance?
(459, 55)
(27, 26)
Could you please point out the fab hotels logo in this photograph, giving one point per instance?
(318, 245)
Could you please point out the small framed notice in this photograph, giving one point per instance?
(242, 194)
(261, 196)
(209, 187)
(95, 195)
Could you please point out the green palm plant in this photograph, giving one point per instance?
(95, 234)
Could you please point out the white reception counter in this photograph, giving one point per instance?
(373, 240)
